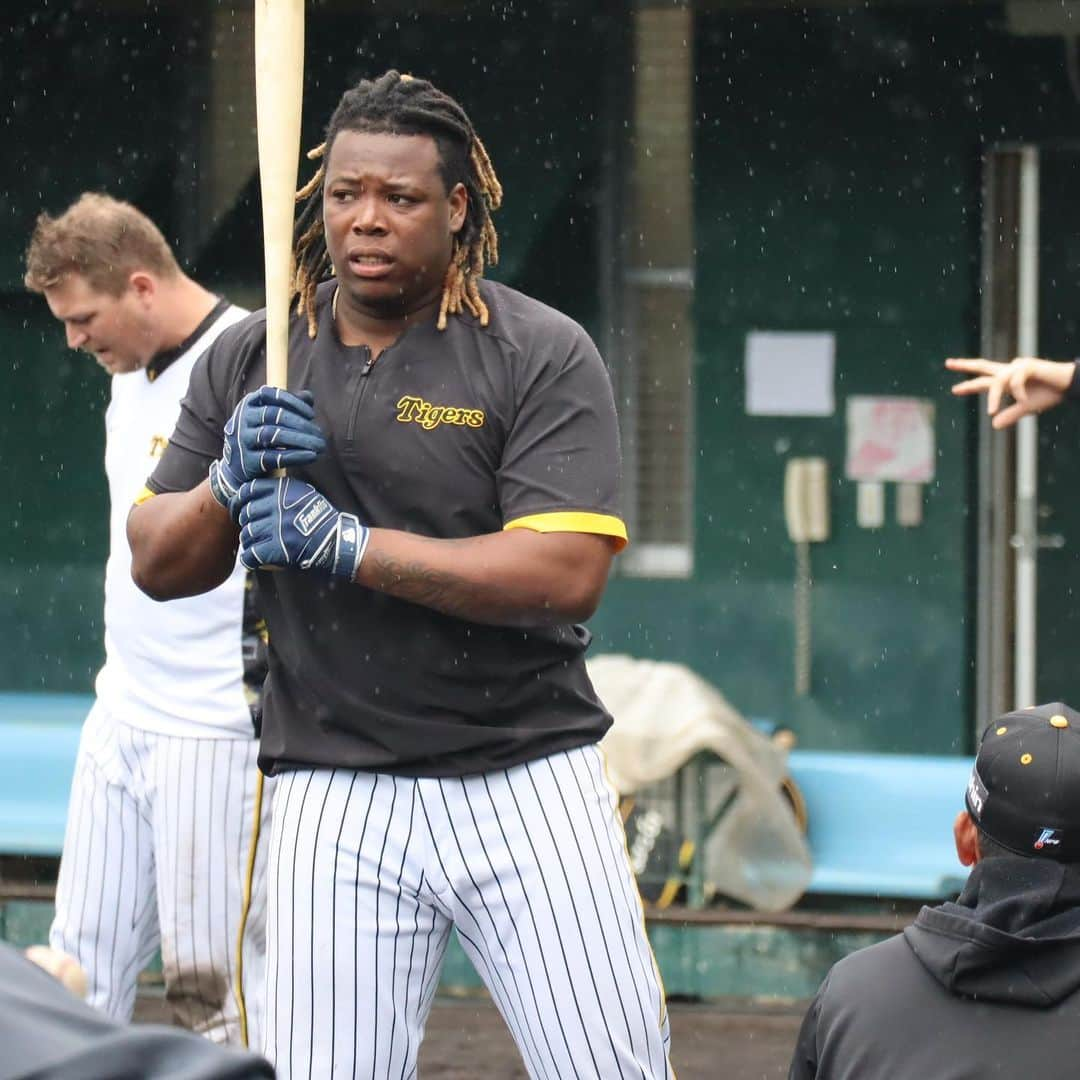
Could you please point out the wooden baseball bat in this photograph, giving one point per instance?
(279, 96)
(279, 90)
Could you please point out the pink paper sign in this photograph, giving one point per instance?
(890, 438)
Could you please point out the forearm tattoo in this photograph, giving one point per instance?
(443, 591)
(414, 581)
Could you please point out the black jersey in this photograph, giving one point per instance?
(451, 433)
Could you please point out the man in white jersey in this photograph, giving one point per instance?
(167, 804)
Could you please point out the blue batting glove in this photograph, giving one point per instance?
(270, 429)
(286, 522)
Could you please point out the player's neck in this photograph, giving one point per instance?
(358, 325)
(184, 305)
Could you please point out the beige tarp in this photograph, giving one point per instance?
(664, 715)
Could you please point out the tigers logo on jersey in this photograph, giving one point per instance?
(157, 445)
(415, 410)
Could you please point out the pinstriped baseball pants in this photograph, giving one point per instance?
(155, 851)
(369, 873)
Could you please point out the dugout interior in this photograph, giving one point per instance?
(711, 169)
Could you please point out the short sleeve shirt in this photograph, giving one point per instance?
(449, 434)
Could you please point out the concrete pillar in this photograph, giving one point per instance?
(219, 153)
(229, 150)
(660, 292)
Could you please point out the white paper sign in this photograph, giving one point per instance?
(890, 438)
(790, 374)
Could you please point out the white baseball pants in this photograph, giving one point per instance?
(368, 874)
(156, 852)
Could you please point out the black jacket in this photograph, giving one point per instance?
(985, 987)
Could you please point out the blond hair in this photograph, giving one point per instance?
(100, 238)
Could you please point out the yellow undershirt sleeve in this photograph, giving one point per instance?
(574, 521)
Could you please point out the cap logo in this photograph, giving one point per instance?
(976, 793)
(1048, 838)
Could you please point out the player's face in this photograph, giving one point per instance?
(115, 329)
(389, 220)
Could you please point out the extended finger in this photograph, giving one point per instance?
(975, 365)
(973, 386)
(1009, 415)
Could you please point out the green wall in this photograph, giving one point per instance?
(837, 174)
(111, 104)
(93, 105)
(52, 553)
(837, 166)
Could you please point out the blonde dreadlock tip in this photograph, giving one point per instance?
(312, 185)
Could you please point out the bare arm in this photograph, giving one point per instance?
(1034, 385)
(182, 544)
(514, 578)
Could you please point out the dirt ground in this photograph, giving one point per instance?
(467, 1039)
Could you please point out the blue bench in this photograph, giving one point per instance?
(39, 735)
(881, 824)
(878, 824)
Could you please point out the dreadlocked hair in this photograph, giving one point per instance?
(398, 104)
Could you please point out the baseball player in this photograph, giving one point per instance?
(428, 714)
(166, 803)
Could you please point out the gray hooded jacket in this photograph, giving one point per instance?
(984, 987)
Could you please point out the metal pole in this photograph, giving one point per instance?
(995, 595)
(1025, 539)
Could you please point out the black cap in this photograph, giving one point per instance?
(1024, 791)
